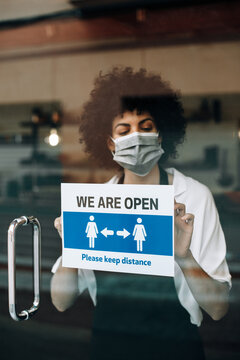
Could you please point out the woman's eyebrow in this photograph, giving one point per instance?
(140, 122)
(146, 119)
(121, 124)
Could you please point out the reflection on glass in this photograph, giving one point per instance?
(164, 319)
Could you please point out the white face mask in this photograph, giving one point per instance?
(138, 152)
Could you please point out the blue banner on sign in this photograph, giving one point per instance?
(146, 234)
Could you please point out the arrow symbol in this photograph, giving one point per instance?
(123, 233)
(107, 232)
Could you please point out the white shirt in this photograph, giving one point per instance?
(208, 245)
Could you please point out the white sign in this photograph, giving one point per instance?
(123, 228)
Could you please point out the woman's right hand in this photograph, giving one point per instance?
(58, 225)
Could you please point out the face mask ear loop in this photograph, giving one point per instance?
(113, 152)
(160, 142)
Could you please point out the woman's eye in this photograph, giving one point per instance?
(147, 128)
(123, 132)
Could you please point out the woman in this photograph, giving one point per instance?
(135, 121)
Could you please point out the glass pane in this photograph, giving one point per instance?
(46, 80)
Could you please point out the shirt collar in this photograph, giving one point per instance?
(179, 181)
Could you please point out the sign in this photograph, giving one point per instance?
(123, 228)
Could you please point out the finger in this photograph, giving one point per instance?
(180, 209)
(188, 218)
(58, 224)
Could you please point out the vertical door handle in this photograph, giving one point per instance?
(24, 220)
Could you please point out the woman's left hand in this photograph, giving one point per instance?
(183, 228)
(211, 295)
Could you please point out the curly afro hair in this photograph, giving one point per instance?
(122, 90)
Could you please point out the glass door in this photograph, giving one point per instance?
(47, 73)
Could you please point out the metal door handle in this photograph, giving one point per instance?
(24, 220)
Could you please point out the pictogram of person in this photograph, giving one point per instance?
(139, 234)
(91, 231)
